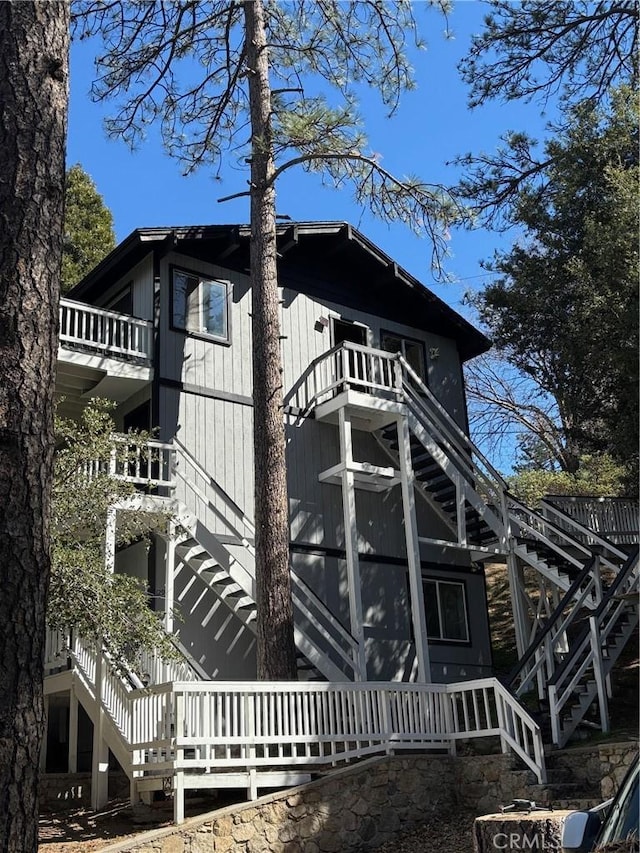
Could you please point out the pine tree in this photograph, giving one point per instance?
(88, 228)
(34, 39)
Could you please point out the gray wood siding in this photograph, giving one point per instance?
(141, 279)
(199, 361)
(218, 432)
(387, 617)
(306, 341)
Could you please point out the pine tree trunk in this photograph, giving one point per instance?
(34, 41)
(276, 651)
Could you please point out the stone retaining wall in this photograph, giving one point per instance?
(361, 807)
(604, 765)
(357, 808)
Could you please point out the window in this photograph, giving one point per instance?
(412, 351)
(200, 305)
(446, 611)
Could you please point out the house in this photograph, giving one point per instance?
(392, 513)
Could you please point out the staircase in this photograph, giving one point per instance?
(577, 625)
(213, 581)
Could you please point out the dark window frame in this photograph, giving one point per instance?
(442, 639)
(402, 337)
(202, 279)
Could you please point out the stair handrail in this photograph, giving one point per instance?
(566, 520)
(458, 436)
(583, 654)
(319, 612)
(551, 626)
(518, 736)
(181, 450)
(336, 635)
(517, 509)
(609, 600)
(390, 372)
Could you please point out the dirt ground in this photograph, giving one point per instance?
(81, 831)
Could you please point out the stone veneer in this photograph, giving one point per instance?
(604, 764)
(356, 808)
(361, 807)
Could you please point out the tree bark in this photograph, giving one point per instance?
(34, 42)
(276, 650)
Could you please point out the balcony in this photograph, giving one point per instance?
(106, 333)
(101, 354)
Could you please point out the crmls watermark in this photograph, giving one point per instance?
(515, 841)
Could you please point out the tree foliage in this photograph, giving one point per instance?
(84, 594)
(541, 48)
(537, 50)
(183, 67)
(88, 228)
(564, 309)
(597, 475)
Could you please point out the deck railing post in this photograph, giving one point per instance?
(386, 719)
(448, 699)
(598, 669)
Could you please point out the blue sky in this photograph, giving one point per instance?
(146, 188)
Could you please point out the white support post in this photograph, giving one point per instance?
(178, 797)
(252, 785)
(418, 614)
(169, 574)
(351, 544)
(597, 579)
(596, 651)
(516, 584)
(178, 779)
(100, 756)
(73, 733)
(502, 723)
(461, 518)
(110, 540)
(554, 713)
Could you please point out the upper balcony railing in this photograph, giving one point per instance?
(617, 519)
(90, 329)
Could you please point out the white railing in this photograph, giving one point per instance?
(476, 481)
(617, 519)
(352, 366)
(320, 636)
(550, 646)
(347, 366)
(258, 724)
(208, 727)
(203, 726)
(144, 462)
(154, 669)
(567, 539)
(587, 658)
(105, 332)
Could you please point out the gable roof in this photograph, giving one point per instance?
(331, 260)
